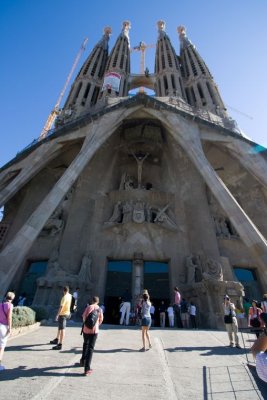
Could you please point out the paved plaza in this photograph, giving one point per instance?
(182, 364)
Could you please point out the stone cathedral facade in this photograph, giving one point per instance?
(138, 191)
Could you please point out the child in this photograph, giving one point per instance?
(193, 312)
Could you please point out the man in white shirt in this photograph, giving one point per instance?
(258, 350)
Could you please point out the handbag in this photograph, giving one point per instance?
(228, 319)
(255, 322)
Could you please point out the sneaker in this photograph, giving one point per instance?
(57, 347)
(2, 368)
(231, 345)
(238, 346)
(55, 341)
(143, 349)
(87, 373)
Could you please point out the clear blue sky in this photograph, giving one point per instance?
(40, 39)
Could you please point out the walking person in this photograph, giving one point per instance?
(90, 335)
(146, 321)
(193, 315)
(6, 309)
(170, 313)
(125, 308)
(231, 322)
(62, 315)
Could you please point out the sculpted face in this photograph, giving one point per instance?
(161, 25)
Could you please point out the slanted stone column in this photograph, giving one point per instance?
(250, 157)
(14, 253)
(42, 156)
(187, 136)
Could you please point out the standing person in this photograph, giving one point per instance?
(152, 313)
(162, 314)
(231, 322)
(125, 308)
(254, 320)
(146, 321)
(76, 296)
(90, 335)
(6, 309)
(184, 307)
(264, 307)
(170, 316)
(62, 315)
(22, 299)
(176, 307)
(193, 314)
(259, 351)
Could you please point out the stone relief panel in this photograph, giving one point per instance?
(57, 276)
(200, 268)
(55, 224)
(141, 212)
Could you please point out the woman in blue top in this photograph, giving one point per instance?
(146, 321)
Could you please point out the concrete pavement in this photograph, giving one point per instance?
(182, 364)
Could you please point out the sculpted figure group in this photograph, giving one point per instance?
(200, 268)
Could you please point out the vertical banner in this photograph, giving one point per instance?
(112, 81)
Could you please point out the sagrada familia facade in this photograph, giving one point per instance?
(138, 191)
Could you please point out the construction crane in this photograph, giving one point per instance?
(52, 116)
(142, 47)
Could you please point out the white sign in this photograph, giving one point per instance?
(112, 81)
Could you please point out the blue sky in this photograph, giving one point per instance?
(40, 39)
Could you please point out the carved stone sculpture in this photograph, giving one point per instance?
(213, 270)
(116, 216)
(139, 212)
(164, 220)
(54, 224)
(85, 274)
(127, 211)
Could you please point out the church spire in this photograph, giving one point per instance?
(200, 88)
(86, 87)
(118, 66)
(167, 69)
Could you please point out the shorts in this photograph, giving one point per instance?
(62, 322)
(146, 321)
(3, 335)
(184, 316)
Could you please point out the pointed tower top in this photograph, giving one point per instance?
(126, 26)
(107, 31)
(161, 27)
(184, 41)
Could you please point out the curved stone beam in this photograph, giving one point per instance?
(15, 251)
(187, 136)
(249, 156)
(41, 157)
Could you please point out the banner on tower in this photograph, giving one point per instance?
(112, 81)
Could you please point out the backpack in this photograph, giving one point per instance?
(184, 307)
(73, 304)
(91, 319)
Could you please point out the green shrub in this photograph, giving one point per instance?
(23, 316)
(41, 313)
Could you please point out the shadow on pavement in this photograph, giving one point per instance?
(210, 351)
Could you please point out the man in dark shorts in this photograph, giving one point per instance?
(62, 315)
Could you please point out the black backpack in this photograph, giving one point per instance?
(91, 319)
(72, 304)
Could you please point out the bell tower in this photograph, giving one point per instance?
(200, 89)
(167, 68)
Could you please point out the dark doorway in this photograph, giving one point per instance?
(248, 279)
(156, 281)
(119, 278)
(28, 284)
